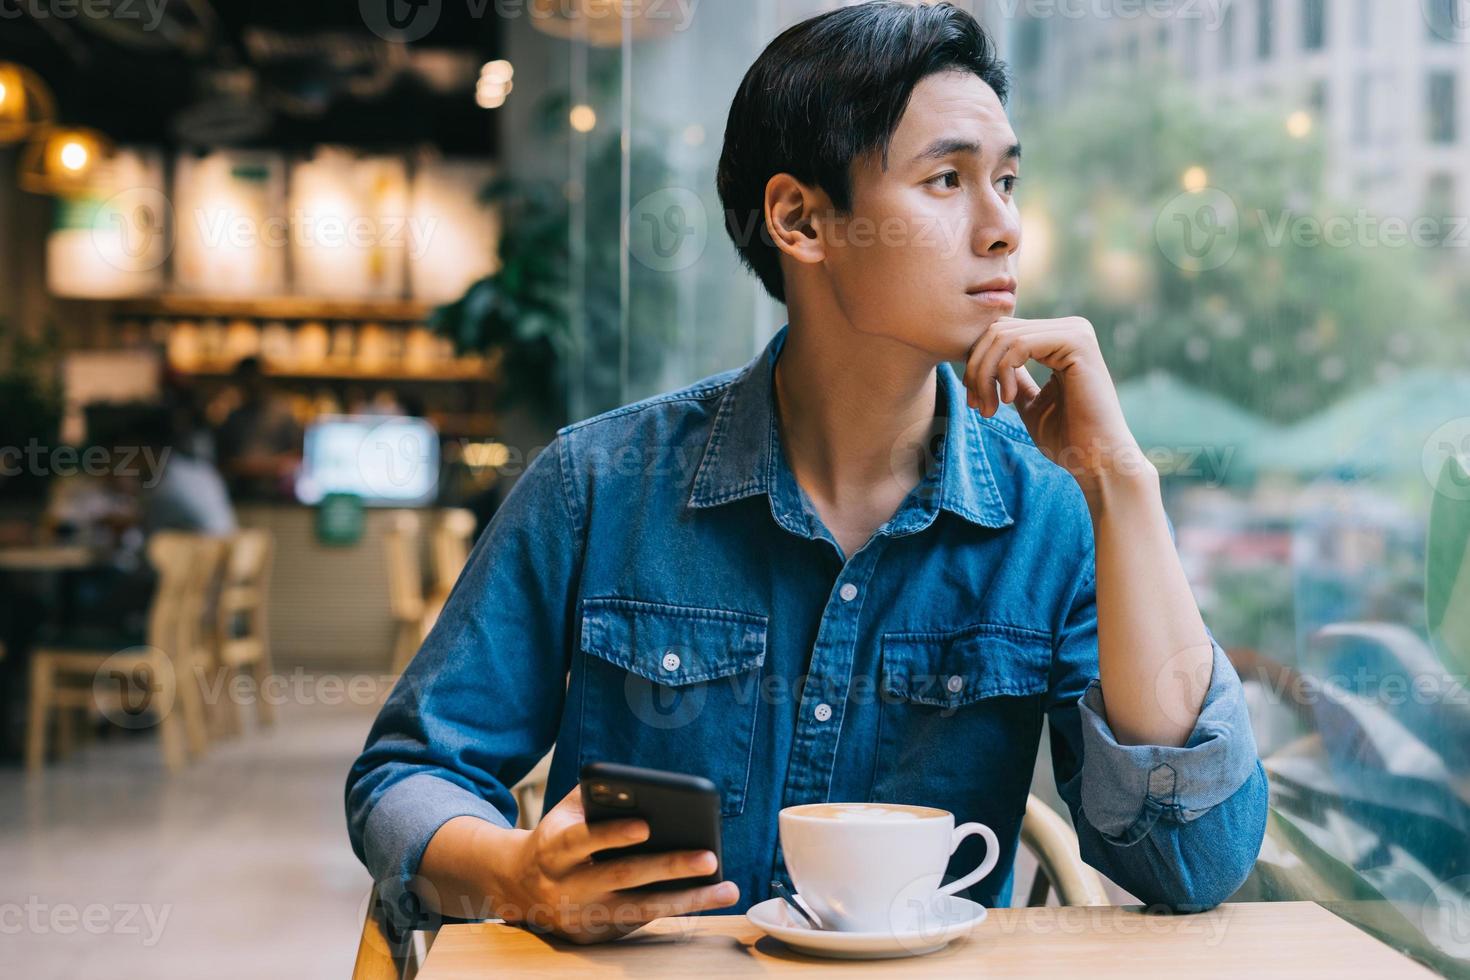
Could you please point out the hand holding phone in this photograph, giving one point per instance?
(682, 812)
(546, 880)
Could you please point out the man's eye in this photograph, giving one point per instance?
(947, 174)
(1010, 183)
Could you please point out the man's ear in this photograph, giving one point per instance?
(796, 217)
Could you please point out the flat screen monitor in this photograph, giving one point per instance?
(387, 460)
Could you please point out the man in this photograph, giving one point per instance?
(841, 572)
(260, 441)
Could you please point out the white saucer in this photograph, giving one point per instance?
(953, 917)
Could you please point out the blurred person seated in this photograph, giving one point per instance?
(260, 442)
(189, 494)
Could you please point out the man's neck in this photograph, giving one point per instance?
(854, 410)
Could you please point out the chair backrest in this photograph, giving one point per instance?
(453, 538)
(1053, 842)
(250, 557)
(245, 579)
(174, 558)
(405, 573)
(188, 568)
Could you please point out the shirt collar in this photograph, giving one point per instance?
(743, 457)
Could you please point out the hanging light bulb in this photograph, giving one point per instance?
(63, 160)
(26, 104)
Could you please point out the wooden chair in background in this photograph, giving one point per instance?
(449, 547)
(454, 536)
(449, 550)
(166, 665)
(405, 587)
(241, 630)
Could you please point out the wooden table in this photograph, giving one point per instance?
(1250, 940)
(47, 558)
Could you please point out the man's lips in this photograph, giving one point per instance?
(1000, 292)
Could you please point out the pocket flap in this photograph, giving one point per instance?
(954, 668)
(673, 645)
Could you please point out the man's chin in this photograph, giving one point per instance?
(962, 338)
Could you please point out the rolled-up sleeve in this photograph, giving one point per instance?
(1178, 826)
(479, 704)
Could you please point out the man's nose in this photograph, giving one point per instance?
(997, 226)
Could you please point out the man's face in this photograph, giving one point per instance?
(927, 236)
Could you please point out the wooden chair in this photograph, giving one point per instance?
(449, 550)
(167, 666)
(454, 536)
(241, 632)
(405, 587)
(385, 952)
(1059, 865)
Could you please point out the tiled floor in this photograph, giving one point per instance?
(237, 867)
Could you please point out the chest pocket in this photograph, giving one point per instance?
(960, 718)
(672, 687)
(951, 670)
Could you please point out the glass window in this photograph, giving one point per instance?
(1192, 32)
(1446, 20)
(1440, 208)
(1314, 24)
(1227, 38)
(1317, 97)
(1315, 442)
(1029, 39)
(1362, 109)
(1441, 107)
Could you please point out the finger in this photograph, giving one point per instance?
(1049, 347)
(1028, 389)
(627, 910)
(574, 844)
(1008, 345)
(638, 870)
(1008, 385)
(977, 357)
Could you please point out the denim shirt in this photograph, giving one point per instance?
(657, 589)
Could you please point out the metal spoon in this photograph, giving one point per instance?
(790, 899)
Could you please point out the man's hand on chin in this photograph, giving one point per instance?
(1075, 419)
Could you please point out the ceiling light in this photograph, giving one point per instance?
(63, 160)
(25, 103)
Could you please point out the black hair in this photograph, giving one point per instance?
(831, 89)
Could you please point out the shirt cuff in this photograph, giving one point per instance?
(1125, 788)
(399, 828)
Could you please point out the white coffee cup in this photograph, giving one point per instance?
(875, 867)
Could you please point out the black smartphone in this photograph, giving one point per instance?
(682, 811)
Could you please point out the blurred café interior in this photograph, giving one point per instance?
(290, 293)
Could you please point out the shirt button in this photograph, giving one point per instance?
(671, 661)
(823, 712)
(848, 591)
(955, 684)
